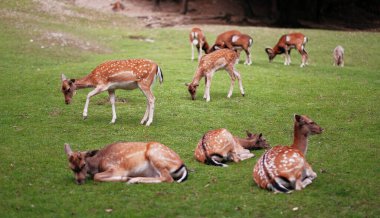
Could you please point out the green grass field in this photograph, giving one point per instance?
(37, 45)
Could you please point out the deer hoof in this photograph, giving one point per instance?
(84, 117)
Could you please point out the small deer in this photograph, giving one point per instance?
(119, 74)
(131, 162)
(209, 64)
(285, 44)
(338, 56)
(218, 146)
(235, 40)
(284, 168)
(198, 40)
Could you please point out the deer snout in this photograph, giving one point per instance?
(80, 181)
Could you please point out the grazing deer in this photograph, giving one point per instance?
(120, 74)
(284, 168)
(209, 64)
(338, 56)
(131, 162)
(198, 40)
(285, 44)
(224, 40)
(218, 146)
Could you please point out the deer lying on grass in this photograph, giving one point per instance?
(198, 40)
(234, 40)
(131, 162)
(338, 56)
(120, 74)
(209, 64)
(284, 168)
(218, 146)
(285, 44)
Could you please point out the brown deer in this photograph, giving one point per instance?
(284, 168)
(224, 40)
(131, 162)
(338, 56)
(285, 44)
(218, 146)
(119, 74)
(209, 64)
(198, 40)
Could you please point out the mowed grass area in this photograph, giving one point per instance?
(35, 122)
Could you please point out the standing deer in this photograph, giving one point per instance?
(284, 168)
(119, 74)
(224, 40)
(198, 40)
(209, 64)
(131, 162)
(218, 146)
(338, 56)
(285, 44)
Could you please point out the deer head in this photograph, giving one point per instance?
(260, 141)
(306, 125)
(68, 88)
(192, 89)
(270, 53)
(78, 163)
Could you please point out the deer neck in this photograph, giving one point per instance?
(246, 143)
(84, 82)
(300, 140)
(197, 77)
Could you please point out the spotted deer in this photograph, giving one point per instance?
(284, 168)
(285, 44)
(338, 54)
(131, 162)
(198, 40)
(218, 146)
(208, 65)
(118, 74)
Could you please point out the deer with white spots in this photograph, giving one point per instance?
(285, 44)
(284, 168)
(234, 40)
(198, 40)
(131, 162)
(119, 74)
(218, 146)
(338, 54)
(209, 64)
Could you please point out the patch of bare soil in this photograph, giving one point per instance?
(168, 14)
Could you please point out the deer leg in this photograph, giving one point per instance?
(200, 51)
(207, 88)
(231, 72)
(148, 116)
(89, 95)
(112, 176)
(237, 75)
(248, 60)
(304, 55)
(192, 51)
(204, 94)
(164, 177)
(112, 100)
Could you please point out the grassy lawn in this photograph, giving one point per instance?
(36, 46)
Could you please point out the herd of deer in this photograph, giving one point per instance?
(279, 169)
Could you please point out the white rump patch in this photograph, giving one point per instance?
(195, 42)
(287, 38)
(235, 38)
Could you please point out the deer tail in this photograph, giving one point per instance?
(180, 174)
(160, 75)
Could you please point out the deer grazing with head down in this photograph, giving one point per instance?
(284, 168)
(209, 64)
(234, 40)
(119, 74)
(338, 54)
(198, 40)
(131, 162)
(285, 44)
(219, 146)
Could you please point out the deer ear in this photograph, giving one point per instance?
(63, 77)
(187, 84)
(268, 50)
(68, 150)
(91, 153)
(249, 134)
(71, 81)
(260, 135)
(298, 118)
